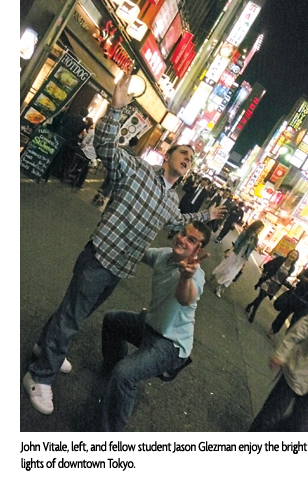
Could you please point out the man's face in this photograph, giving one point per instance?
(186, 242)
(180, 161)
(226, 194)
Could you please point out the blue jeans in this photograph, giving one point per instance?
(154, 356)
(89, 288)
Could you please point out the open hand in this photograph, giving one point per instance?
(120, 97)
(217, 212)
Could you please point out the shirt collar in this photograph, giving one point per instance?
(159, 170)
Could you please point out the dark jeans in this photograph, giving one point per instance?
(292, 305)
(225, 229)
(256, 303)
(90, 286)
(272, 415)
(154, 356)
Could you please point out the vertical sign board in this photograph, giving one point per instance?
(67, 77)
(39, 153)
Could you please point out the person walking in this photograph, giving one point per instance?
(163, 334)
(293, 302)
(223, 197)
(275, 274)
(79, 169)
(192, 200)
(143, 202)
(234, 217)
(286, 408)
(228, 269)
(69, 127)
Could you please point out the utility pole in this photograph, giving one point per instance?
(44, 47)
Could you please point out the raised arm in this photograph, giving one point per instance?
(186, 290)
(107, 129)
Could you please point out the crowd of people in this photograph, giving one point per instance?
(143, 199)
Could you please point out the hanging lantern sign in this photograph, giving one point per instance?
(128, 11)
(137, 29)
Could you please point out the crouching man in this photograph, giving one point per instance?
(163, 335)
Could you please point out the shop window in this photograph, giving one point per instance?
(44, 73)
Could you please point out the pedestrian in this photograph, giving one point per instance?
(143, 202)
(193, 198)
(79, 169)
(234, 217)
(230, 266)
(293, 302)
(275, 274)
(223, 197)
(69, 127)
(286, 408)
(163, 334)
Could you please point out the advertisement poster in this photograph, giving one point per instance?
(135, 125)
(67, 77)
(40, 152)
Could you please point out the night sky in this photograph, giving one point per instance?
(281, 66)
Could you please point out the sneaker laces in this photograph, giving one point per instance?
(43, 390)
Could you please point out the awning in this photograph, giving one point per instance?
(99, 72)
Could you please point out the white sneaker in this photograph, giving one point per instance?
(66, 366)
(218, 291)
(40, 395)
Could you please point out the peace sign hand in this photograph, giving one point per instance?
(189, 266)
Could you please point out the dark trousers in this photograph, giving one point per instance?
(256, 303)
(155, 355)
(225, 229)
(272, 415)
(291, 305)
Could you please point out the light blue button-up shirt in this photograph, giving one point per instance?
(166, 315)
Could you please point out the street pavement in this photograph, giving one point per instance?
(229, 378)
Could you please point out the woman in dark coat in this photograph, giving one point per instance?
(274, 275)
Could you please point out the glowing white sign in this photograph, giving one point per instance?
(195, 104)
(244, 23)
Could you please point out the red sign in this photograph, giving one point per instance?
(186, 65)
(110, 43)
(279, 172)
(153, 58)
(180, 48)
(227, 79)
(178, 65)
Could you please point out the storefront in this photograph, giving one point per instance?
(82, 39)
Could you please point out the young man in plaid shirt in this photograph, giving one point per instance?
(143, 201)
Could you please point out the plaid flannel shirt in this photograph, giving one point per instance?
(140, 204)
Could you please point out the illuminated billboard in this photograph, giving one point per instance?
(171, 37)
(216, 69)
(244, 23)
(196, 103)
(153, 58)
(299, 116)
(248, 109)
(164, 18)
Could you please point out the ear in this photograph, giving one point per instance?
(167, 157)
(199, 248)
